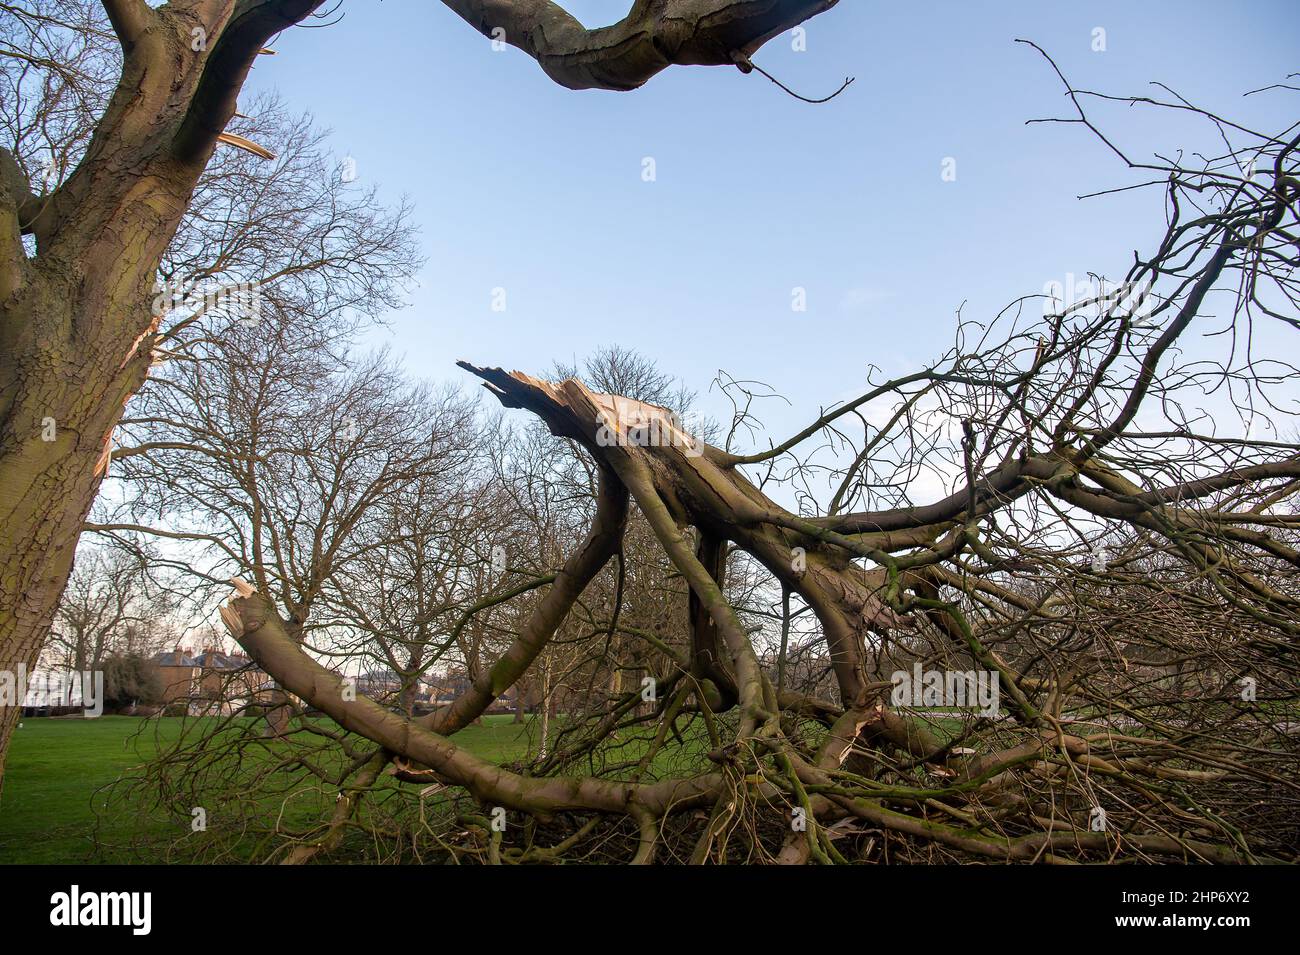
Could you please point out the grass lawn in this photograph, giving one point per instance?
(55, 767)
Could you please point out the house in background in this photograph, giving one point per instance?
(444, 688)
(179, 673)
(382, 686)
(211, 683)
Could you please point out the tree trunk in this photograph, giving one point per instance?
(76, 319)
(544, 708)
(53, 390)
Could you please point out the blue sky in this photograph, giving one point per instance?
(522, 185)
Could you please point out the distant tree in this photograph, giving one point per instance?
(111, 604)
(130, 680)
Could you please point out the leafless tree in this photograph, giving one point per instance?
(1121, 566)
(111, 604)
(81, 248)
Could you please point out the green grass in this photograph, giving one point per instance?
(55, 767)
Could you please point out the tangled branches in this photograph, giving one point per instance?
(1081, 649)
